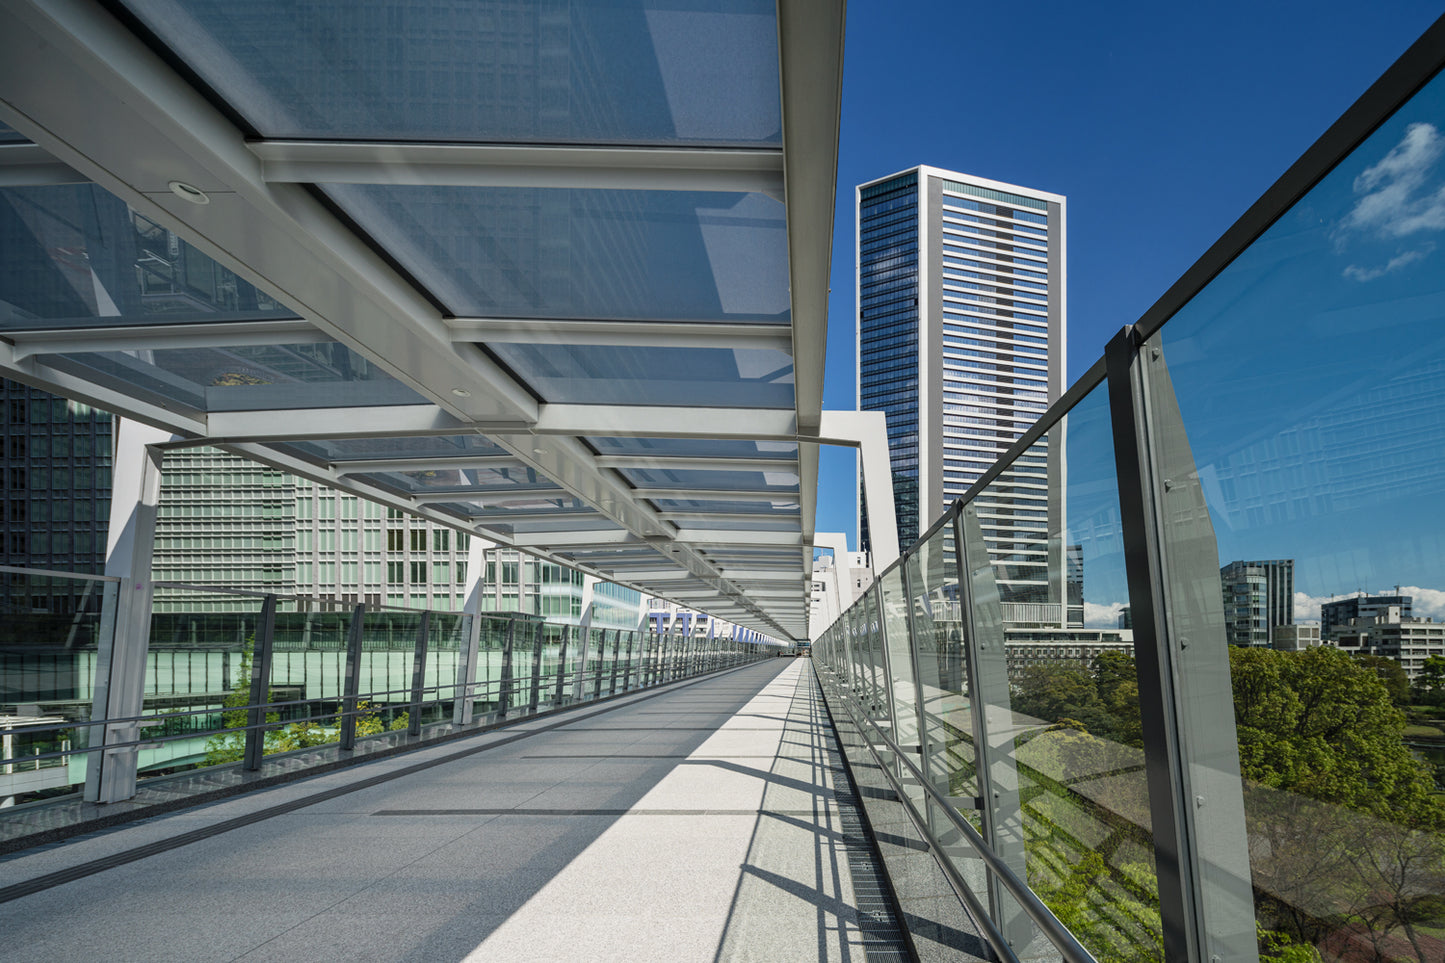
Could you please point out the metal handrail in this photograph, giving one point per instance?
(51, 573)
(1073, 951)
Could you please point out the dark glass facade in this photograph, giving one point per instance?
(888, 334)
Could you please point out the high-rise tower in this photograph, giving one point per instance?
(961, 334)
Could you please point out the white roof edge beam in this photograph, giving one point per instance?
(657, 421)
(810, 67)
(660, 334)
(533, 165)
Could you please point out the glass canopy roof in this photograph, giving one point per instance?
(526, 269)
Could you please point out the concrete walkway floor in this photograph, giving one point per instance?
(700, 822)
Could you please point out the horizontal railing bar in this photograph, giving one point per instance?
(1043, 917)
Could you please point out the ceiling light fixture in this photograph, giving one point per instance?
(186, 192)
(461, 392)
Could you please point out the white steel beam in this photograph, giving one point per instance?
(705, 537)
(661, 334)
(486, 496)
(299, 424)
(762, 424)
(715, 495)
(678, 463)
(810, 70)
(222, 334)
(561, 541)
(540, 165)
(364, 466)
(29, 165)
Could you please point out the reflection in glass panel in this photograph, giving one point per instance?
(568, 254)
(76, 256)
(1062, 707)
(1310, 377)
(245, 378)
(486, 70)
(50, 639)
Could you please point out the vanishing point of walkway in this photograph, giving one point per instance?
(706, 821)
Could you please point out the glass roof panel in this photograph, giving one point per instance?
(783, 481)
(246, 378)
(548, 71)
(696, 447)
(442, 446)
(9, 135)
(77, 256)
(615, 375)
(583, 254)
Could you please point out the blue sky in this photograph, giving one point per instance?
(1160, 125)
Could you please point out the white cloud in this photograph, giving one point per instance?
(1428, 604)
(1392, 200)
(1102, 616)
(1356, 273)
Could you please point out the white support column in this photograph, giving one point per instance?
(121, 662)
(476, 568)
(868, 432)
(834, 596)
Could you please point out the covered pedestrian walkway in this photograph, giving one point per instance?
(709, 820)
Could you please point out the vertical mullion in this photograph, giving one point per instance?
(351, 682)
(1196, 802)
(418, 674)
(260, 696)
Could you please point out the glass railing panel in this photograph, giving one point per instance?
(446, 642)
(901, 689)
(49, 650)
(1059, 689)
(203, 643)
(1310, 383)
(491, 650)
(388, 649)
(308, 670)
(935, 610)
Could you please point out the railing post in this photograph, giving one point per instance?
(504, 678)
(1186, 703)
(120, 663)
(597, 676)
(418, 675)
(351, 682)
(562, 664)
(260, 698)
(534, 699)
(627, 667)
(616, 653)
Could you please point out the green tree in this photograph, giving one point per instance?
(1397, 683)
(1321, 724)
(230, 744)
(1431, 683)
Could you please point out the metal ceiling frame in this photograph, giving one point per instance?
(101, 106)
